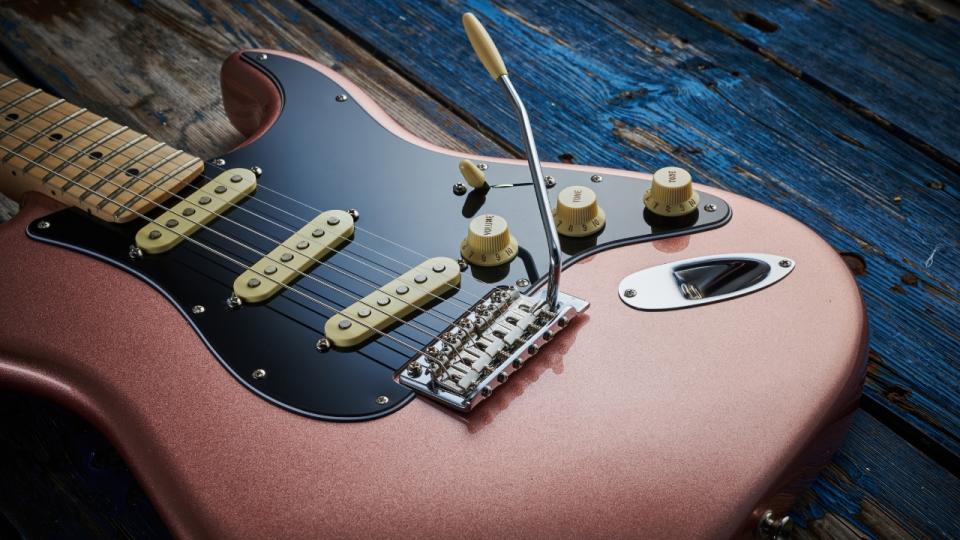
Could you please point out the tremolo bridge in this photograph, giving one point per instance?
(496, 337)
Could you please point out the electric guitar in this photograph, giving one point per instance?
(338, 329)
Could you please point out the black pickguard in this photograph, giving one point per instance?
(333, 155)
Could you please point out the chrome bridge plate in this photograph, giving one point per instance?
(494, 338)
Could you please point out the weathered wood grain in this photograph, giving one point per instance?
(889, 59)
(641, 85)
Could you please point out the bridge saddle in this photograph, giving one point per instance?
(477, 353)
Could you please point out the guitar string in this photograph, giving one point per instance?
(433, 334)
(393, 274)
(365, 281)
(418, 350)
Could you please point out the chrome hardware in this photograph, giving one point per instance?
(234, 301)
(135, 253)
(549, 181)
(710, 207)
(523, 282)
(198, 309)
(463, 264)
(261, 57)
(341, 98)
(771, 527)
(259, 373)
(43, 224)
(219, 162)
(323, 344)
(354, 213)
(476, 354)
(256, 170)
(459, 189)
(382, 400)
(482, 166)
(596, 179)
(702, 280)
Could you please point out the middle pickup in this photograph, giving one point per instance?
(294, 257)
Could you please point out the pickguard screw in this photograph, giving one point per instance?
(550, 181)
(523, 282)
(43, 225)
(256, 170)
(382, 400)
(261, 57)
(323, 344)
(198, 309)
(459, 189)
(259, 373)
(135, 253)
(219, 162)
(710, 207)
(463, 264)
(596, 179)
(354, 213)
(784, 263)
(630, 293)
(234, 302)
(773, 527)
(341, 98)
(482, 166)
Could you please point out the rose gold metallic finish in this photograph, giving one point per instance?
(621, 427)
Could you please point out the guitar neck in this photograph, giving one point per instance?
(83, 159)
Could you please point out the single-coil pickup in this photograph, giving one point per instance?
(387, 305)
(297, 255)
(196, 210)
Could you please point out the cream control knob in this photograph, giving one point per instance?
(488, 241)
(577, 213)
(671, 194)
(472, 174)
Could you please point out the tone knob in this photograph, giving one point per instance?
(671, 193)
(577, 213)
(488, 241)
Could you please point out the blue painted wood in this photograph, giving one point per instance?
(900, 61)
(642, 85)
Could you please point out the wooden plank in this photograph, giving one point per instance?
(879, 486)
(902, 57)
(639, 86)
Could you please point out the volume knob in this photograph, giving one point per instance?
(671, 194)
(577, 213)
(488, 241)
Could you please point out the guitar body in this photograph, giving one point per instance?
(683, 423)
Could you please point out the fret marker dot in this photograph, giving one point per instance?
(303, 244)
(420, 278)
(219, 189)
(403, 289)
(317, 233)
(270, 270)
(154, 235)
(205, 200)
(364, 313)
(253, 283)
(286, 257)
(236, 178)
(189, 211)
(171, 223)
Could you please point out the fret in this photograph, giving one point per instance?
(39, 133)
(105, 159)
(8, 83)
(123, 168)
(127, 187)
(63, 142)
(82, 152)
(19, 100)
(173, 174)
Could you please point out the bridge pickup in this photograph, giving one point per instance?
(382, 308)
(496, 337)
(296, 255)
(196, 210)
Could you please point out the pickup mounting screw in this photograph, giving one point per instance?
(43, 225)
(549, 181)
(219, 162)
(341, 98)
(261, 57)
(784, 263)
(323, 344)
(198, 309)
(596, 179)
(523, 282)
(710, 207)
(256, 170)
(259, 373)
(459, 188)
(630, 293)
(382, 400)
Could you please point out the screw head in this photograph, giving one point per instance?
(459, 189)
(523, 282)
(219, 162)
(354, 213)
(463, 264)
(44, 224)
(261, 57)
(482, 166)
(135, 252)
(710, 207)
(382, 400)
(259, 373)
(784, 263)
(549, 181)
(256, 170)
(323, 344)
(233, 302)
(414, 370)
(596, 179)
(341, 98)
(533, 349)
(198, 309)
(630, 293)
